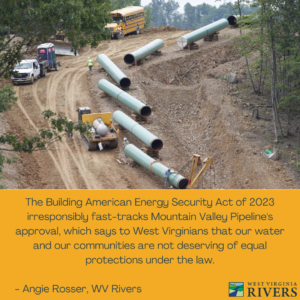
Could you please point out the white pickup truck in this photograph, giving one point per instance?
(29, 70)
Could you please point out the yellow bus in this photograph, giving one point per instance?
(126, 20)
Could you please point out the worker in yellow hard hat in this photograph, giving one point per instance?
(90, 64)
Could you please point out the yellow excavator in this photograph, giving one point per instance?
(196, 161)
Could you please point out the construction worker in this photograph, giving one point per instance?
(125, 143)
(167, 174)
(90, 64)
(70, 129)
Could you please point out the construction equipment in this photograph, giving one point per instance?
(201, 33)
(139, 131)
(131, 102)
(175, 179)
(196, 160)
(62, 44)
(101, 131)
(122, 80)
(143, 52)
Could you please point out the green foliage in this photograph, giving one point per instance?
(274, 34)
(148, 16)
(166, 12)
(58, 126)
(23, 25)
(27, 23)
(117, 4)
(7, 98)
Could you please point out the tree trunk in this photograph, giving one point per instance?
(273, 82)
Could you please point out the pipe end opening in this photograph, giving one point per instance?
(182, 42)
(157, 145)
(125, 83)
(145, 111)
(231, 20)
(183, 183)
(129, 59)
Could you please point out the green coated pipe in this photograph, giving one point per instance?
(143, 52)
(122, 80)
(139, 131)
(202, 33)
(136, 105)
(177, 181)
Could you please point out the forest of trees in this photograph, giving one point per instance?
(166, 13)
(273, 40)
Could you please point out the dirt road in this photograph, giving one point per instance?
(189, 115)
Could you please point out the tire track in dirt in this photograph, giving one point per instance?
(61, 157)
(35, 96)
(67, 160)
(70, 112)
(61, 154)
(52, 87)
(20, 105)
(71, 93)
(71, 89)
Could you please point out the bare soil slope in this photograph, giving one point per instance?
(195, 112)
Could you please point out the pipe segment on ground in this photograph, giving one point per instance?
(202, 33)
(136, 105)
(139, 131)
(232, 19)
(143, 52)
(177, 181)
(122, 80)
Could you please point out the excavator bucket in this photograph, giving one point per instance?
(63, 48)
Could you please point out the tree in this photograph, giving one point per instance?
(117, 4)
(273, 34)
(166, 12)
(169, 8)
(158, 17)
(27, 23)
(148, 16)
(189, 16)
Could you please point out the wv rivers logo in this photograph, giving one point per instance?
(236, 289)
(263, 289)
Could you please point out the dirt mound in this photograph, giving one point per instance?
(187, 70)
(160, 29)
